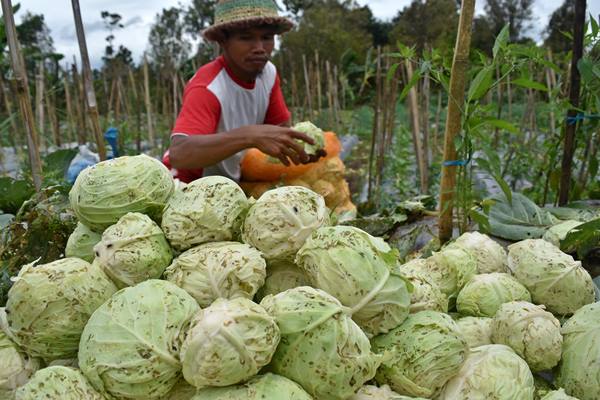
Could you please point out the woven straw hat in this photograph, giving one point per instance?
(236, 14)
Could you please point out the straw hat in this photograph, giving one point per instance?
(236, 14)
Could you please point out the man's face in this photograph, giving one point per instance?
(249, 49)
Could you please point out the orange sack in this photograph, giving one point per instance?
(259, 167)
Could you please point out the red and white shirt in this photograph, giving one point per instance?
(216, 101)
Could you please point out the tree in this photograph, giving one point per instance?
(561, 21)
(117, 61)
(168, 46)
(517, 13)
(197, 17)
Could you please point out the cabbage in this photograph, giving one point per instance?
(282, 219)
(49, 305)
(451, 268)
(491, 372)
(426, 293)
(209, 209)
(485, 293)
(358, 270)
(315, 133)
(281, 276)
(370, 392)
(62, 383)
(559, 232)
(321, 347)
(425, 352)
(221, 269)
(133, 250)
(534, 334)
(110, 189)
(228, 343)
(261, 387)
(81, 243)
(552, 277)
(130, 346)
(579, 368)
(181, 391)
(490, 255)
(15, 367)
(477, 331)
(558, 395)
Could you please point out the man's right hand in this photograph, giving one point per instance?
(280, 142)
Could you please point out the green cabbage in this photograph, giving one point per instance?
(181, 391)
(532, 332)
(370, 392)
(579, 368)
(261, 387)
(491, 372)
(81, 243)
(133, 250)
(110, 189)
(425, 352)
(552, 277)
(314, 132)
(281, 276)
(451, 268)
(558, 395)
(477, 331)
(228, 343)
(210, 209)
(321, 347)
(221, 269)
(282, 219)
(485, 293)
(58, 383)
(426, 294)
(130, 346)
(15, 367)
(358, 270)
(490, 255)
(49, 305)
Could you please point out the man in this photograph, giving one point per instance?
(235, 102)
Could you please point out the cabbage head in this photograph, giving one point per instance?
(477, 331)
(532, 332)
(181, 391)
(49, 305)
(370, 392)
(15, 367)
(559, 232)
(559, 394)
(451, 268)
(105, 192)
(210, 209)
(492, 371)
(282, 219)
(490, 255)
(485, 293)
(321, 347)
(56, 383)
(281, 276)
(315, 133)
(130, 347)
(221, 269)
(426, 294)
(262, 387)
(552, 277)
(133, 250)
(360, 271)
(228, 343)
(579, 368)
(425, 352)
(81, 243)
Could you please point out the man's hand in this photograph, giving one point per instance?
(280, 142)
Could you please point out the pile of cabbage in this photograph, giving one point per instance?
(197, 292)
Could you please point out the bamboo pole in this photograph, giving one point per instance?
(318, 71)
(569, 147)
(20, 77)
(329, 93)
(54, 122)
(138, 111)
(70, 122)
(307, 86)
(148, 103)
(425, 128)
(39, 102)
(79, 106)
(336, 99)
(9, 110)
(88, 81)
(383, 125)
(374, 133)
(436, 131)
(453, 120)
(416, 129)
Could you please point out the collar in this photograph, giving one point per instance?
(235, 78)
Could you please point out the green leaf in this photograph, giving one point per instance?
(13, 193)
(501, 40)
(528, 83)
(413, 81)
(481, 219)
(482, 83)
(594, 23)
(503, 124)
(392, 71)
(583, 238)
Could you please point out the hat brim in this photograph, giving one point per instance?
(214, 33)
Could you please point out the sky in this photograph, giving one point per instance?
(138, 16)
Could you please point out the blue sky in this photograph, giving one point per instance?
(139, 16)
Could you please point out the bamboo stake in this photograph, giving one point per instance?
(496, 140)
(9, 110)
(318, 71)
(54, 123)
(70, 121)
(138, 112)
(453, 120)
(336, 99)
(383, 124)
(307, 86)
(416, 130)
(436, 132)
(79, 106)
(374, 133)
(329, 92)
(39, 101)
(175, 97)
(569, 147)
(87, 79)
(20, 77)
(425, 127)
(151, 137)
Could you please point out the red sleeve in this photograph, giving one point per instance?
(277, 112)
(200, 113)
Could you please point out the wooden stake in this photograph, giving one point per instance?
(375, 132)
(88, 81)
(20, 77)
(70, 121)
(416, 129)
(307, 87)
(79, 106)
(39, 101)
(458, 75)
(54, 122)
(151, 137)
